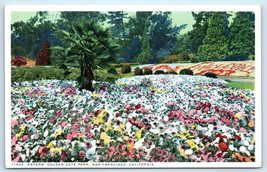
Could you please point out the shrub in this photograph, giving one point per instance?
(183, 56)
(157, 72)
(18, 61)
(186, 72)
(126, 69)
(210, 75)
(252, 57)
(148, 71)
(172, 72)
(138, 71)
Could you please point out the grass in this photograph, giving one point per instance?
(241, 85)
(242, 77)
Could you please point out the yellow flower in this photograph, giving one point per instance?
(125, 137)
(52, 150)
(253, 140)
(50, 145)
(95, 95)
(138, 134)
(80, 136)
(179, 135)
(206, 86)
(251, 124)
(63, 94)
(108, 128)
(182, 153)
(191, 143)
(122, 126)
(202, 145)
(193, 126)
(58, 133)
(238, 115)
(43, 80)
(233, 156)
(198, 87)
(106, 141)
(184, 132)
(151, 87)
(191, 137)
(167, 91)
(103, 135)
(121, 83)
(55, 149)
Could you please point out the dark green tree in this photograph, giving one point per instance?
(139, 24)
(116, 20)
(241, 36)
(90, 47)
(145, 55)
(163, 35)
(215, 43)
(197, 34)
(183, 44)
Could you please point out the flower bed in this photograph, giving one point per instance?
(158, 118)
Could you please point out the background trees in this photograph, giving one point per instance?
(144, 37)
(215, 43)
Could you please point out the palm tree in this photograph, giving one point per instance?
(90, 47)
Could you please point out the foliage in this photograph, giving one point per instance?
(197, 34)
(138, 71)
(252, 57)
(157, 72)
(125, 69)
(183, 56)
(210, 75)
(130, 51)
(148, 71)
(183, 44)
(145, 55)
(88, 44)
(241, 37)
(171, 72)
(186, 72)
(117, 23)
(18, 61)
(215, 43)
(163, 35)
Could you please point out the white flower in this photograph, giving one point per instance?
(246, 143)
(247, 152)
(188, 152)
(250, 147)
(242, 149)
(166, 118)
(232, 148)
(45, 133)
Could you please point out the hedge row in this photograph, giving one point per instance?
(26, 73)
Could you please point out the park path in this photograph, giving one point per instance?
(249, 80)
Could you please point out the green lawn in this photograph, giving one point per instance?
(241, 85)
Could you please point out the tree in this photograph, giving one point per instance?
(197, 34)
(183, 44)
(139, 24)
(241, 36)
(90, 46)
(145, 55)
(117, 24)
(163, 35)
(215, 44)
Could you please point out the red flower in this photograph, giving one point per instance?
(238, 137)
(223, 146)
(137, 106)
(217, 109)
(117, 115)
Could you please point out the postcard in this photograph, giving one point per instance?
(131, 86)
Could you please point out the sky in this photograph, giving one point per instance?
(178, 18)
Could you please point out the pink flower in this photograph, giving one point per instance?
(242, 129)
(25, 137)
(82, 154)
(170, 103)
(14, 140)
(110, 96)
(88, 127)
(89, 135)
(101, 92)
(58, 113)
(17, 158)
(86, 120)
(143, 97)
(63, 124)
(52, 120)
(69, 136)
(23, 110)
(78, 119)
(91, 114)
(128, 106)
(195, 96)
(14, 122)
